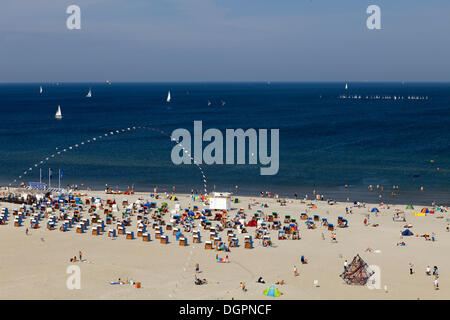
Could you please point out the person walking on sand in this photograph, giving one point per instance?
(80, 255)
(26, 231)
(436, 283)
(428, 271)
(197, 268)
(345, 265)
(296, 273)
(243, 287)
(411, 268)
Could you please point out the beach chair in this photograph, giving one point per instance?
(164, 239)
(183, 241)
(196, 238)
(95, 231)
(324, 222)
(146, 237)
(208, 245)
(79, 229)
(111, 233)
(248, 242)
(330, 227)
(168, 226)
(130, 235)
(121, 230)
(217, 240)
(212, 235)
(316, 218)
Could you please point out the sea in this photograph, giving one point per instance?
(332, 140)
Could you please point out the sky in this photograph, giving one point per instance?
(224, 40)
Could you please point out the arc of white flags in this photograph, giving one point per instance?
(129, 129)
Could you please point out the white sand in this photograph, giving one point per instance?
(34, 266)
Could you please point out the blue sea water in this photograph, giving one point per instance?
(325, 142)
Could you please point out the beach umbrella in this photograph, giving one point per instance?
(375, 210)
(425, 210)
(272, 292)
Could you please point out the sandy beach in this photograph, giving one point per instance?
(34, 266)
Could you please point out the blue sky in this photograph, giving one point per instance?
(224, 40)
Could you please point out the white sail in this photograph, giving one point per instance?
(58, 114)
(168, 97)
(89, 94)
(209, 103)
(40, 90)
(346, 86)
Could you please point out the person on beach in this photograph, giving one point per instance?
(80, 255)
(197, 268)
(345, 265)
(243, 287)
(428, 271)
(26, 231)
(296, 273)
(333, 237)
(435, 271)
(436, 283)
(411, 268)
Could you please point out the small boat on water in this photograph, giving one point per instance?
(89, 94)
(346, 86)
(58, 114)
(40, 90)
(168, 97)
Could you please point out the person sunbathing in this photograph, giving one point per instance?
(280, 282)
(304, 260)
(261, 280)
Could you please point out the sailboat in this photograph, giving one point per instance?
(168, 97)
(89, 94)
(346, 86)
(58, 114)
(209, 103)
(40, 90)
